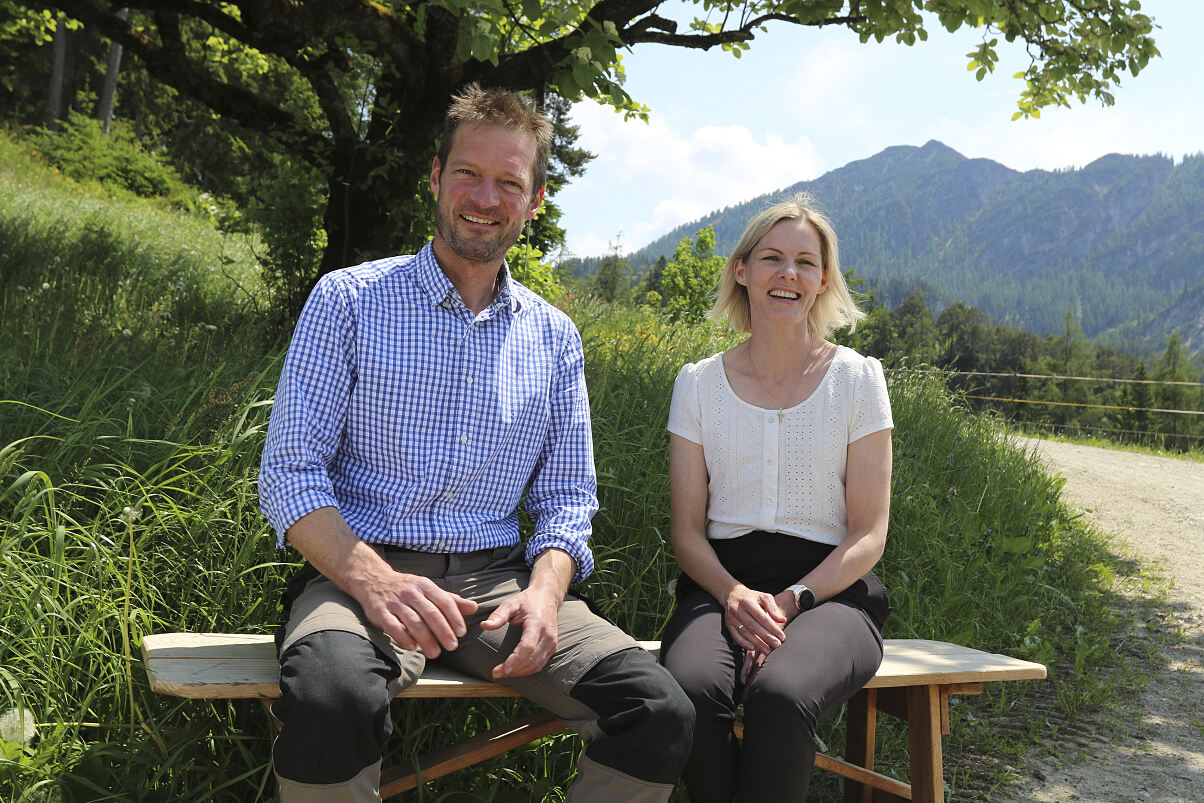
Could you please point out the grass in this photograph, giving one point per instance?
(136, 377)
(1194, 455)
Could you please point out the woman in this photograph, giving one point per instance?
(780, 461)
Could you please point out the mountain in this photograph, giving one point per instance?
(1119, 242)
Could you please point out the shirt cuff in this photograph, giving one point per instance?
(577, 549)
(288, 513)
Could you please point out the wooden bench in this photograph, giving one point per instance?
(915, 682)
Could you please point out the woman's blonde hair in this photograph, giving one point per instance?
(833, 309)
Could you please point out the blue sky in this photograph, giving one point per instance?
(802, 102)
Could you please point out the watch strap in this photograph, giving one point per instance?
(804, 598)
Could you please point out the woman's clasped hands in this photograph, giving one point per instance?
(756, 621)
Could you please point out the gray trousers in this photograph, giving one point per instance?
(830, 652)
(338, 674)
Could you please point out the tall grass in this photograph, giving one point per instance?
(135, 385)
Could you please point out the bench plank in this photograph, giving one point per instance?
(229, 666)
(221, 666)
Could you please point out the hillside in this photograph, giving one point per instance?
(1024, 247)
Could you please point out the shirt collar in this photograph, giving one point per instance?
(439, 289)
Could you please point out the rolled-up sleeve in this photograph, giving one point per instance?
(563, 495)
(310, 411)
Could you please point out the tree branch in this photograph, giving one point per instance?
(169, 63)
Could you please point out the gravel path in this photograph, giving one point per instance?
(1154, 508)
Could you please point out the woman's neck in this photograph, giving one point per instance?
(778, 356)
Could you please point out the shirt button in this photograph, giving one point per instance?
(463, 439)
(768, 501)
(770, 419)
(448, 496)
(468, 379)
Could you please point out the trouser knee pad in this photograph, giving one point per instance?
(333, 708)
(647, 719)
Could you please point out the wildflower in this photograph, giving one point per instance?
(129, 515)
(18, 725)
(211, 327)
(45, 285)
(127, 333)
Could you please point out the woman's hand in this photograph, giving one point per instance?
(754, 619)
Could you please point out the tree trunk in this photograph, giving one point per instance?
(378, 204)
(58, 73)
(108, 93)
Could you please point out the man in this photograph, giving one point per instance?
(421, 397)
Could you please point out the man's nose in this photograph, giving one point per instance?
(485, 193)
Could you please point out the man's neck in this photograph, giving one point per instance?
(476, 282)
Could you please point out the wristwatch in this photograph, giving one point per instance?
(804, 598)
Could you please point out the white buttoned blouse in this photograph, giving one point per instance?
(779, 471)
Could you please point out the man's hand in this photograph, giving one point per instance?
(415, 612)
(410, 608)
(536, 613)
(535, 609)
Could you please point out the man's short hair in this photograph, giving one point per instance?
(503, 108)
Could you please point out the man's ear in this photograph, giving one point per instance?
(436, 169)
(536, 200)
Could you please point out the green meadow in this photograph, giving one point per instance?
(137, 372)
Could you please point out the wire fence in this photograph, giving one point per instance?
(1079, 378)
(1005, 405)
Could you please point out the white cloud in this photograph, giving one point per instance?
(649, 178)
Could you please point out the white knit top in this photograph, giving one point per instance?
(780, 473)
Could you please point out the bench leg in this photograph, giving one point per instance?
(860, 734)
(924, 740)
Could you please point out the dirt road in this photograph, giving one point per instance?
(1154, 507)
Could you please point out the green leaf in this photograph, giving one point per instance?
(584, 77)
(1016, 545)
(964, 637)
(482, 47)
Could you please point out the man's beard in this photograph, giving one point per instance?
(474, 249)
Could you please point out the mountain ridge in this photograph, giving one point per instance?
(1118, 242)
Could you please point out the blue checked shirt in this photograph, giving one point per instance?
(422, 425)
